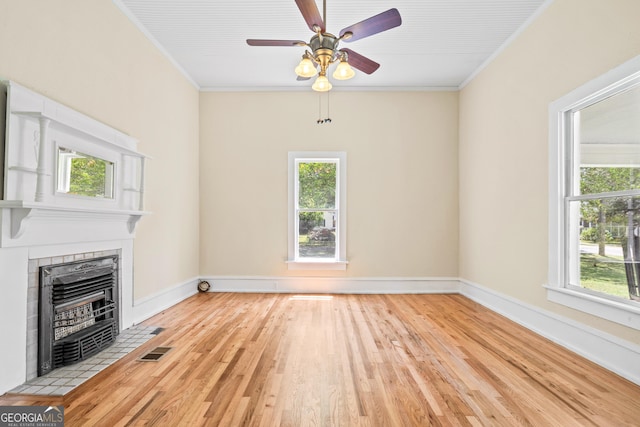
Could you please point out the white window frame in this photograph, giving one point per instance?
(294, 261)
(63, 165)
(560, 160)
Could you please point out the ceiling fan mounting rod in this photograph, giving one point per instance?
(324, 12)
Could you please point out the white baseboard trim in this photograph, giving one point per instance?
(151, 305)
(337, 285)
(617, 355)
(612, 353)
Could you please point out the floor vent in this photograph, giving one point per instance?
(156, 331)
(155, 354)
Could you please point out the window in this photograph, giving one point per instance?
(83, 175)
(595, 197)
(317, 214)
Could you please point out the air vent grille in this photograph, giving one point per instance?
(155, 354)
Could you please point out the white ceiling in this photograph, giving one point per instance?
(440, 44)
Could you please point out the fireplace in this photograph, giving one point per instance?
(78, 311)
(42, 224)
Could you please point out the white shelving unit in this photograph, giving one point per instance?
(36, 128)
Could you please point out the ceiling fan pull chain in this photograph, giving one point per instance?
(320, 121)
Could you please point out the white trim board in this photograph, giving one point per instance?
(149, 306)
(610, 352)
(563, 269)
(338, 285)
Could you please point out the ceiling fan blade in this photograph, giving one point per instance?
(263, 42)
(360, 62)
(376, 24)
(311, 14)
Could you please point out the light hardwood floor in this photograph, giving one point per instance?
(372, 360)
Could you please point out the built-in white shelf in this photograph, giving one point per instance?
(21, 213)
(39, 136)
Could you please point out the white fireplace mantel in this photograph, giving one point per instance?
(33, 209)
(42, 220)
(34, 223)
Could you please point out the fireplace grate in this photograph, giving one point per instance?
(65, 291)
(78, 313)
(67, 322)
(85, 344)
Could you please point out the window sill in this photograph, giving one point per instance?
(621, 312)
(316, 265)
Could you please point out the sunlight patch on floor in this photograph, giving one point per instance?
(311, 298)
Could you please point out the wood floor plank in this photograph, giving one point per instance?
(346, 360)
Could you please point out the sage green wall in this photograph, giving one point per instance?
(504, 143)
(402, 179)
(89, 56)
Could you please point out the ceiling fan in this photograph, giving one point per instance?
(324, 46)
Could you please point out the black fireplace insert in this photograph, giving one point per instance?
(78, 311)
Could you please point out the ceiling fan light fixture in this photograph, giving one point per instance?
(321, 84)
(306, 68)
(324, 46)
(343, 71)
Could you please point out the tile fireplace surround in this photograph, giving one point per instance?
(33, 298)
(63, 380)
(40, 226)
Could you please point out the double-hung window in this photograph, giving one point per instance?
(317, 214)
(594, 263)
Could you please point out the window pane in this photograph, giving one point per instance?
(609, 143)
(317, 235)
(609, 245)
(604, 179)
(83, 175)
(317, 181)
